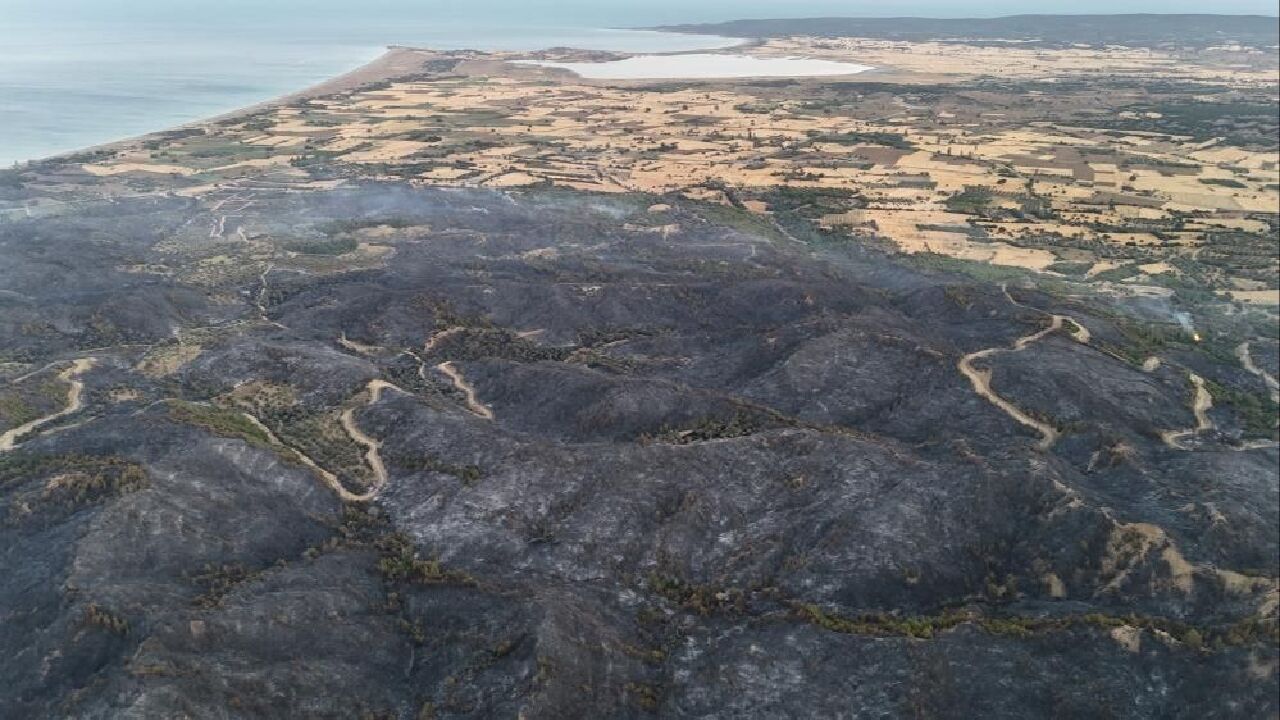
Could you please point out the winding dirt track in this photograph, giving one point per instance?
(261, 300)
(1246, 361)
(422, 364)
(74, 402)
(1201, 403)
(435, 339)
(473, 404)
(358, 348)
(327, 477)
(372, 447)
(981, 377)
(981, 380)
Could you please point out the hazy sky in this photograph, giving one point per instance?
(618, 11)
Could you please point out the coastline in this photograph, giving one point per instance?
(399, 61)
(392, 61)
(395, 61)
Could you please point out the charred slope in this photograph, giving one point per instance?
(638, 463)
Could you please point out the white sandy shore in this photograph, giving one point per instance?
(702, 66)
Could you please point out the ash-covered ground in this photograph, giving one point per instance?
(383, 452)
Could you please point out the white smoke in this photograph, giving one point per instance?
(1184, 319)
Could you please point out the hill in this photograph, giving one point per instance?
(1143, 30)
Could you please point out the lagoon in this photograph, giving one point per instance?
(68, 82)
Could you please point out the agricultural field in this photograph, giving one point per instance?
(462, 387)
(1130, 170)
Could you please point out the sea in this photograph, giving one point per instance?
(77, 73)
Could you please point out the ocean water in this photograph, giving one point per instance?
(74, 85)
(75, 73)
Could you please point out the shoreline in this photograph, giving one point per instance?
(399, 61)
(386, 66)
(377, 69)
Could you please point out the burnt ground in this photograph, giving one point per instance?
(640, 463)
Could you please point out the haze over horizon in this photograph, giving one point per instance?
(639, 359)
(589, 12)
(79, 72)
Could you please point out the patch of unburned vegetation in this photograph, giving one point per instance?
(1256, 410)
(400, 563)
(467, 474)
(166, 360)
(972, 200)
(326, 247)
(739, 424)
(216, 580)
(886, 139)
(74, 479)
(220, 421)
(315, 433)
(1250, 631)
(98, 617)
(23, 404)
(471, 344)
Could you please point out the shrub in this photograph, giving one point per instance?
(222, 422)
(99, 617)
(400, 563)
(972, 200)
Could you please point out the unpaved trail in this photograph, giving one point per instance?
(785, 233)
(1078, 331)
(263, 293)
(373, 448)
(1246, 361)
(359, 348)
(422, 364)
(261, 300)
(981, 377)
(218, 224)
(435, 339)
(327, 477)
(981, 380)
(1201, 403)
(33, 373)
(1255, 445)
(455, 376)
(74, 402)
(218, 205)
